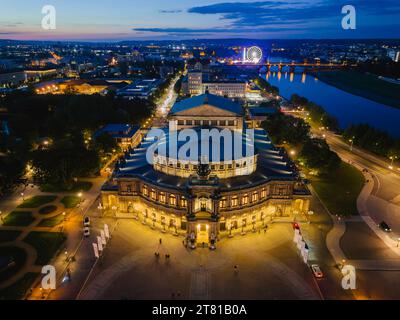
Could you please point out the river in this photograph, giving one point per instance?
(346, 107)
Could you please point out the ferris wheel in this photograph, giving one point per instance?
(253, 54)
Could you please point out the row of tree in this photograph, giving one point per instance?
(264, 85)
(314, 153)
(374, 140)
(362, 135)
(317, 114)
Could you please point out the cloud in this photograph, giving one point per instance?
(170, 11)
(312, 18)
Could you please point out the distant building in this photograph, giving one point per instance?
(126, 135)
(394, 55)
(142, 88)
(12, 78)
(197, 84)
(259, 114)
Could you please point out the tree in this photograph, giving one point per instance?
(12, 170)
(316, 154)
(62, 163)
(283, 128)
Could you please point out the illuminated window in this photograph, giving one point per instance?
(162, 197)
(145, 191)
(234, 201)
(254, 197)
(153, 194)
(222, 203)
(245, 199)
(183, 202)
(263, 193)
(172, 200)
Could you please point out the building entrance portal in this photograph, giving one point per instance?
(202, 234)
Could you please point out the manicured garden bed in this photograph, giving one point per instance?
(8, 235)
(48, 209)
(18, 289)
(70, 201)
(79, 186)
(52, 222)
(19, 219)
(37, 201)
(46, 244)
(11, 261)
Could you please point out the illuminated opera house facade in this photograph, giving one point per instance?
(209, 195)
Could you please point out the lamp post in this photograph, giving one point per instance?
(351, 144)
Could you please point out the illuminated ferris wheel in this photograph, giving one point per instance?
(253, 54)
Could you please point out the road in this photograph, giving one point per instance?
(384, 202)
(84, 261)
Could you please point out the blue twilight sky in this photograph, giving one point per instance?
(189, 19)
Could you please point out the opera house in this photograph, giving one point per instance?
(231, 185)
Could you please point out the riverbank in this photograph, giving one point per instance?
(364, 85)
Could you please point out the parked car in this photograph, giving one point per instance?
(86, 221)
(86, 232)
(317, 271)
(385, 227)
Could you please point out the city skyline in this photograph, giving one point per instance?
(180, 20)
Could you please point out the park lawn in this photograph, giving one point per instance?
(18, 255)
(339, 191)
(18, 289)
(8, 235)
(364, 85)
(70, 201)
(52, 222)
(19, 219)
(37, 201)
(79, 186)
(46, 244)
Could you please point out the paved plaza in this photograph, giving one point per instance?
(268, 267)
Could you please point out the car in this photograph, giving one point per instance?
(86, 221)
(385, 227)
(86, 232)
(317, 271)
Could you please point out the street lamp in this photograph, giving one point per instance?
(351, 144)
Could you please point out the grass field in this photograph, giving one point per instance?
(37, 201)
(46, 244)
(364, 85)
(19, 219)
(339, 191)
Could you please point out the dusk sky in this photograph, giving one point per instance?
(189, 19)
